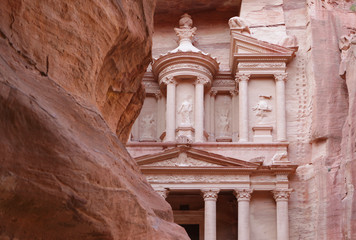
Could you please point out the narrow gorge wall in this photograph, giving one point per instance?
(70, 89)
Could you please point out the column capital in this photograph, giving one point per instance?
(201, 80)
(282, 194)
(169, 80)
(243, 194)
(240, 77)
(213, 93)
(280, 76)
(162, 192)
(158, 94)
(210, 194)
(234, 92)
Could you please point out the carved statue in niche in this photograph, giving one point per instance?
(185, 110)
(148, 127)
(262, 108)
(223, 122)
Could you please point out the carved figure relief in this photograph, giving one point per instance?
(262, 108)
(185, 110)
(239, 23)
(223, 122)
(148, 127)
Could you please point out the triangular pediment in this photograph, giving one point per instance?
(243, 44)
(247, 49)
(183, 156)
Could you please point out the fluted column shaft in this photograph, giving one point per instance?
(171, 110)
(243, 227)
(199, 110)
(281, 106)
(243, 106)
(210, 197)
(282, 197)
(212, 115)
(234, 115)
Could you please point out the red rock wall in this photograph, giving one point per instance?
(323, 205)
(69, 80)
(333, 124)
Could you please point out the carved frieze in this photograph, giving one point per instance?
(206, 178)
(183, 161)
(224, 83)
(262, 65)
(185, 67)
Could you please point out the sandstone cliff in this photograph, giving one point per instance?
(70, 89)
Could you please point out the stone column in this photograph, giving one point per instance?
(243, 227)
(159, 124)
(243, 78)
(212, 115)
(235, 126)
(282, 196)
(281, 106)
(199, 109)
(210, 196)
(170, 109)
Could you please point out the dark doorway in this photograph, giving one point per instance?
(192, 230)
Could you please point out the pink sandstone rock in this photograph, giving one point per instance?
(70, 78)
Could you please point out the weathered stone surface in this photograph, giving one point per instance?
(69, 79)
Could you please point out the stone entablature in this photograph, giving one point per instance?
(185, 168)
(190, 168)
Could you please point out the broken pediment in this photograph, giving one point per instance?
(249, 50)
(190, 157)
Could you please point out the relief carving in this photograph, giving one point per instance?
(262, 109)
(183, 161)
(185, 110)
(239, 23)
(262, 65)
(168, 178)
(148, 125)
(223, 122)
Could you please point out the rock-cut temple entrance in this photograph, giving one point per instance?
(214, 143)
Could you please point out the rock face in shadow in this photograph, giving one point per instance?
(69, 92)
